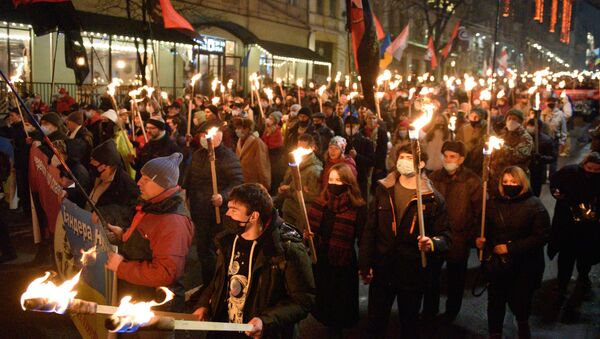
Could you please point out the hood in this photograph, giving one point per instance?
(390, 180)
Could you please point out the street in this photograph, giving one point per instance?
(579, 319)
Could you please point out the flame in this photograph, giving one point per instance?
(563, 94)
(111, 88)
(222, 88)
(230, 84)
(379, 95)
(212, 132)
(469, 83)
(386, 76)
(536, 106)
(328, 79)
(355, 87)
(347, 81)
(132, 315)
(322, 90)
(134, 93)
(89, 256)
(561, 84)
(492, 144)
(311, 85)
(298, 153)
(485, 95)
(500, 94)
(269, 93)
(149, 90)
(351, 95)
(278, 81)
(164, 95)
(18, 74)
(411, 92)
(338, 76)
(300, 82)
(214, 84)
(195, 78)
(424, 91)
(424, 119)
(394, 84)
(511, 83)
(532, 90)
(452, 123)
(215, 100)
(56, 298)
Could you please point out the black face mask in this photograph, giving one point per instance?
(303, 124)
(95, 172)
(512, 191)
(474, 123)
(238, 227)
(336, 189)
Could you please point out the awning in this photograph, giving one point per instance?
(236, 30)
(291, 52)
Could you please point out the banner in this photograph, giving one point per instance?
(77, 233)
(44, 183)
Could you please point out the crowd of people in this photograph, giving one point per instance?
(147, 169)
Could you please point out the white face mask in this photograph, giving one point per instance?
(88, 114)
(204, 143)
(451, 166)
(46, 130)
(512, 125)
(405, 167)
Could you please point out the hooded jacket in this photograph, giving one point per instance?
(254, 159)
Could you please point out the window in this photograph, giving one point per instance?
(333, 8)
(15, 50)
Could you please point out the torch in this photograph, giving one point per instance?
(338, 76)
(14, 79)
(297, 154)
(213, 169)
(279, 81)
(378, 97)
(189, 117)
(417, 125)
(411, 93)
(492, 144)
(321, 91)
(269, 92)
(111, 88)
(452, 126)
(536, 114)
(299, 83)
(214, 85)
(134, 108)
(469, 85)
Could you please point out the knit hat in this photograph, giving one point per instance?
(295, 108)
(306, 111)
(480, 112)
(106, 153)
(516, 113)
(111, 115)
(157, 122)
(76, 117)
(164, 171)
(276, 116)
(454, 146)
(338, 142)
(52, 118)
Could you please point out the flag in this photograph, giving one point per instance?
(400, 43)
(384, 44)
(503, 59)
(378, 28)
(48, 15)
(431, 53)
(448, 47)
(162, 11)
(364, 37)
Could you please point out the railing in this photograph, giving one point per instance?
(84, 94)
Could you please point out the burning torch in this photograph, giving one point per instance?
(414, 137)
(111, 88)
(134, 110)
(213, 169)
(14, 79)
(493, 143)
(298, 153)
(321, 92)
(195, 78)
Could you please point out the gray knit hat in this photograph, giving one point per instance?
(164, 170)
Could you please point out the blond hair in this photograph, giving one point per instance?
(519, 175)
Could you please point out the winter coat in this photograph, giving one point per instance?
(85, 142)
(325, 135)
(462, 193)
(310, 174)
(282, 290)
(576, 187)
(273, 140)
(255, 162)
(117, 203)
(335, 123)
(153, 149)
(330, 163)
(474, 140)
(155, 247)
(396, 259)
(523, 224)
(365, 158)
(198, 180)
(556, 124)
(516, 151)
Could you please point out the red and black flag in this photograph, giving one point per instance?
(47, 16)
(365, 45)
(162, 11)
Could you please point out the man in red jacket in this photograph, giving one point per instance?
(153, 249)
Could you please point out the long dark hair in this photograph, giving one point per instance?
(347, 177)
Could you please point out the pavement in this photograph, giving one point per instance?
(577, 318)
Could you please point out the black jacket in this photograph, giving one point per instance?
(396, 259)
(335, 123)
(282, 289)
(85, 142)
(523, 224)
(117, 203)
(365, 158)
(198, 180)
(155, 148)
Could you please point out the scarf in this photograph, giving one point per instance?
(341, 241)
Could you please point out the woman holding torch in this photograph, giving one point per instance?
(336, 218)
(518, 228)
(391, 247)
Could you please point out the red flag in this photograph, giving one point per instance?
(378, 28)
(431, 52)
(172, 19)
(448, 47)
(357, 27)
(503, 60)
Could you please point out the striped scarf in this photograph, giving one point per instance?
(341, 240)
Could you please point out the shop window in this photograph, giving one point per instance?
(15, 50)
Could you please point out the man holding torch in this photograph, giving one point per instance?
(390, 249)
(202, 200)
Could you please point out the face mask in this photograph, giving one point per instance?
(512, 125)
(403, 134)
(303, 124)
(238, 227)
(531, 130)
(204, 143)
(405, 167)
(451, 166)
(512, 191)
(474, 123)
(46, 130)
(337, 189)
(88, 114)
